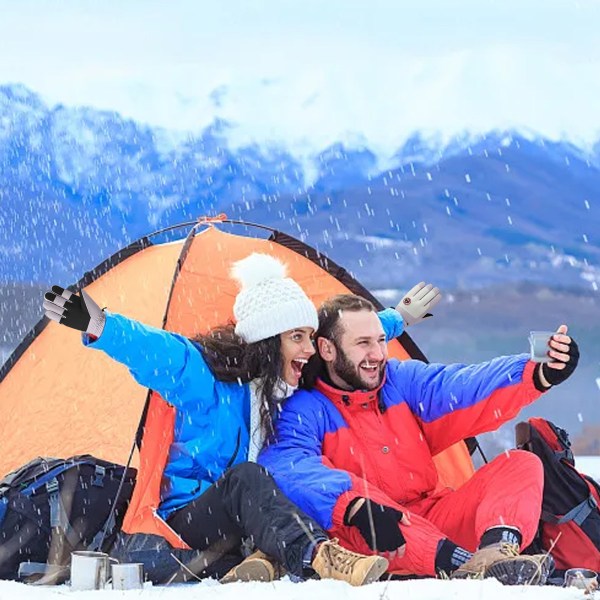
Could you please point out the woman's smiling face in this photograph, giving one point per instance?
(296, 348)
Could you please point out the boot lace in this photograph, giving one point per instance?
(339, 558)
(476, 566)
(510, 550)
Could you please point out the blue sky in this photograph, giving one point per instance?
(310, 72)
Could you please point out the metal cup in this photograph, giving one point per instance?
(128, 576)
(89, 570)
(584, 579)
(538, 345)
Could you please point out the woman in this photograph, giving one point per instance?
(225, 386)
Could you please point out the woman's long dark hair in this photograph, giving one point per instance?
(233, 360)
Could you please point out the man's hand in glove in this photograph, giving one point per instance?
(78, 312)
(378, 525)
(564, 353)
(417, 303)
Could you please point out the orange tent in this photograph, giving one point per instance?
(59, 399)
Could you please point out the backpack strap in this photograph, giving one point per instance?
(578, 514)
(99, 473)
(58, 515)
(566, 454)
(28, 473)
(105, 531)
(593, 484)
(108, 527)
(3, 507)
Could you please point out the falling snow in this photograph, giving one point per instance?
(79, 184)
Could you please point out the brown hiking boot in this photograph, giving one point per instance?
(256, 567)
(334, 562)
(503, 562)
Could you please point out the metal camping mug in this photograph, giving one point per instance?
(89, 570)
(128, 576)
(584, 579)
(538, 345)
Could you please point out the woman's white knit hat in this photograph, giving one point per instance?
(269, 303)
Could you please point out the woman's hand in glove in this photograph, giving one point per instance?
(77, 312)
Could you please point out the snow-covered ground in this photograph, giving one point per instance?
(425, 589)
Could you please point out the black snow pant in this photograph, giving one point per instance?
(246, 503)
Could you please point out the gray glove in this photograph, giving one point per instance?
(417, 303)
(77, 312)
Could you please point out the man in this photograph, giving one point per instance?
(355, 451)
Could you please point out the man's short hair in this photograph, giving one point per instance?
(332, 309)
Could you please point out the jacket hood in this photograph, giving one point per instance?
(349, 398)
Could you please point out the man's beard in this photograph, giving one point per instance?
(345, 370)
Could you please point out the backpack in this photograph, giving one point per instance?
(569, 527)
(51, 506)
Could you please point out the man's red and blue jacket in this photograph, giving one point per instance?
(332, 446)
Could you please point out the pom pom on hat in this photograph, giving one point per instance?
(256, 268)
(269, 303)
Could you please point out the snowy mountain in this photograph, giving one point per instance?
(470, 211)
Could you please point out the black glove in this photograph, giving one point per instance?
(378, 524)
(556, 376)
(78, 312)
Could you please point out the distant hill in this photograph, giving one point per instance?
(20, 309)
(78, 184)
(588, 441)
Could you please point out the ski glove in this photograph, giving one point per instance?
(78, 312)
(417, 303)
(378, 524)
(555, 376)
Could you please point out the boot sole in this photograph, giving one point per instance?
(378, 568)
(250, 570)
(520, 572)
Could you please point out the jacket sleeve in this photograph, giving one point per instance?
(304, 475)
(454, 402)
(392, 323)
(163, 361)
